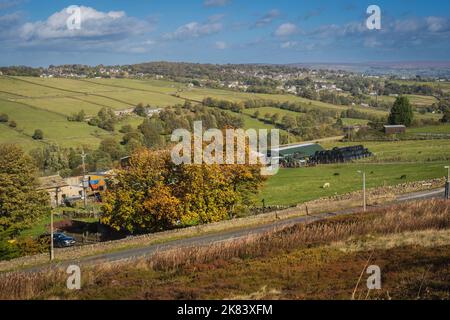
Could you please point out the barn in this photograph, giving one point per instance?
(394, 129)
(297, 154)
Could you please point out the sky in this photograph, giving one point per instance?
(109, 32)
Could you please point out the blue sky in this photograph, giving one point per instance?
(34, 32)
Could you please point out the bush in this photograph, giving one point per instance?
(4, 117)
(12, 124)
(38, 134)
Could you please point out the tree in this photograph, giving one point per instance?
(154, 194)
(140, 110)
(106, 119)
(38, 134)
(446, 116)
(289, 122)
(401, 112)
(275, 118)
(4, 117)
(20, 203)
(151, 129)
(126, 128)
(78, 117)
(112, 147)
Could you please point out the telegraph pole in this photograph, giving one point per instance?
(447, 184)
(364, 191)
(83, 157)
(52, 251)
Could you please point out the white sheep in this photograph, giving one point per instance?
(326, 185)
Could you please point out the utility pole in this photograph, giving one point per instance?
(52, 252)
(83, 157)
(447, 184)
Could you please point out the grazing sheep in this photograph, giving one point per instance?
(326, 185)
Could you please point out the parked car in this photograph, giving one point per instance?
(61, 240)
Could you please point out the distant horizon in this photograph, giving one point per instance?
(422, 63)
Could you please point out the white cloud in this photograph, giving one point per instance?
(221, 45)
(215, 3)
(286, 29)
(268, 18)
(94, 25)
(194, 30)
(289, 44)
(438, 24)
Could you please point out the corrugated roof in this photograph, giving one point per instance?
(52, 182)
(302, 150)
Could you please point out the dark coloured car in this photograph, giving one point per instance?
(60, 240)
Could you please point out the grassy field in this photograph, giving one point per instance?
(416, 160)
(416, 100)
(352, 122)
(45, 103)
(55, 126)
(443, 85)
(403, 151)
(293, 186)
(441, 129)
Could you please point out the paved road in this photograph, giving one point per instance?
(206, 240)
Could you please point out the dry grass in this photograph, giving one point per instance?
(396, 220)
(426, 238)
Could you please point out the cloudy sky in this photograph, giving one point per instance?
(36, 32)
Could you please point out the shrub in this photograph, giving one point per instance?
(38, 134)
(4, 117)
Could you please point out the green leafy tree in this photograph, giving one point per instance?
(38, 134)
(20, 202)
(140, 110)
(151, 130)
(112, 147)
(289, 122)
(446, 116)
(401, 112)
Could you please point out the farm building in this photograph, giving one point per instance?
(338, 155)
(296, 155)
(60, 189)
(55, 187)
(394, 129)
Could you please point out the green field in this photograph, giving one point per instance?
(352, 122)
(45, 103)
(403, 151)
(416, 100)
(443, 85)
(55, 126)
(293, 186)
(440, 129)
(418, 160)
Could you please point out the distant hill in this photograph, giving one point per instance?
(435, 69)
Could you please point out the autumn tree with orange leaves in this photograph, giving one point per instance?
(154, 194)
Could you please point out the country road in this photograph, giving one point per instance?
(209, 239)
